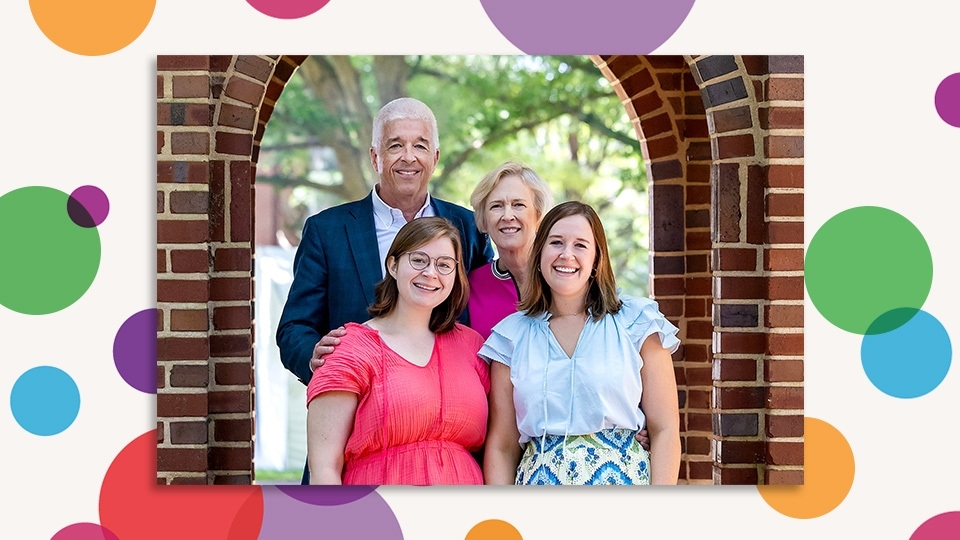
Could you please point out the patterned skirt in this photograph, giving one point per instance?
(608, 457)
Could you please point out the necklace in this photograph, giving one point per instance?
(500, 274)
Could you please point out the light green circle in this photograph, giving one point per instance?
(49, 261)
(865, 262)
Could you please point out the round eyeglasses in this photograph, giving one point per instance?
(420, 260)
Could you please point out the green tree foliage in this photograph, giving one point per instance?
(556, 114)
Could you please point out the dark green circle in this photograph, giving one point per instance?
(49, 261)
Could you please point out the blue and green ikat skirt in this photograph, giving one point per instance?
(608, 457)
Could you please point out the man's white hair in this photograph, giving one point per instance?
(404, 108)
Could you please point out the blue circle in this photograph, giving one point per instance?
(908, 361)
(45, 400)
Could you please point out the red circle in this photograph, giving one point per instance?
(132, 505)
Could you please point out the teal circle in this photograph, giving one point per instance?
(910, 360)
(49, 260)
(866, 262)
(45, 400)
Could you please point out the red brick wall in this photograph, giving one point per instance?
(210, 110)
(723, 141)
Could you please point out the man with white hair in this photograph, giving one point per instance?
(340, 257)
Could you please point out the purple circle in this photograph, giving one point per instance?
(947, 99)
(84, 531)
(135, 351)
(88, 206)
(544, 27)
(940, 527)
(367, 517)
(287, 9)
(326, 495)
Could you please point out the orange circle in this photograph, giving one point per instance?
(493, 529)
(828, 469)
(92, 27)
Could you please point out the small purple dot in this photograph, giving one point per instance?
(135, 351)
(88, 206)
(947, 100)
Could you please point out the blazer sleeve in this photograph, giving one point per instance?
(305, 311)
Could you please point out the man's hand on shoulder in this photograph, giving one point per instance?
(325, 346)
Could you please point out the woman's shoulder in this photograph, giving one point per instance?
(514, 325)
(461, 332)
(359, 338)
(642, 317)
(635, 307)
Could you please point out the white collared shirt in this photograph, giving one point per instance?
(388, 221)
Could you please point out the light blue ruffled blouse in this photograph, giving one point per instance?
(598, 388)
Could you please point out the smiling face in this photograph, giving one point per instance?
(405, 159)
(427, 288)
(510, 216)
(568, 257)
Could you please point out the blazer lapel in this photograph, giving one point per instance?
(442, 209)
(362, 238)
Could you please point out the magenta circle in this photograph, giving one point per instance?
(84, 531)
(595, 27)
(88, 206)
(135, 351)
(947, 99)
(940, 527)
(287, 9)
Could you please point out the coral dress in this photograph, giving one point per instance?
(414, 425)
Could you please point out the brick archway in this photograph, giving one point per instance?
(722, 138)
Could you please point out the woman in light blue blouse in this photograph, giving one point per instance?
(570, 368)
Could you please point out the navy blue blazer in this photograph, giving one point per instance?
(336, 268)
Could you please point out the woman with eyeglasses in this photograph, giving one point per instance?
(403, 397)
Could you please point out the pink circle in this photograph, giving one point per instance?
(287, 9)
(84, 531)
(947, 99)
(940, 527)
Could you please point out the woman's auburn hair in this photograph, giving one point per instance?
(601, 298)
(415, 234)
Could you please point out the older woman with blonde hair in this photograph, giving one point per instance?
(508, 204)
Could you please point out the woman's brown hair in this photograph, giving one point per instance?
(602, 297)
(414, 234)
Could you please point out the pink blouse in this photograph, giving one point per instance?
(414, 425)
(493, 296)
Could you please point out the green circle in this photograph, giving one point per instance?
(865, 262)
(49, 261)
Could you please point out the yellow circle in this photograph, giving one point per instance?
(92, 27)
(493, 529)
(828, 469)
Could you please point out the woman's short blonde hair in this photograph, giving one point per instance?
(542, 196)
